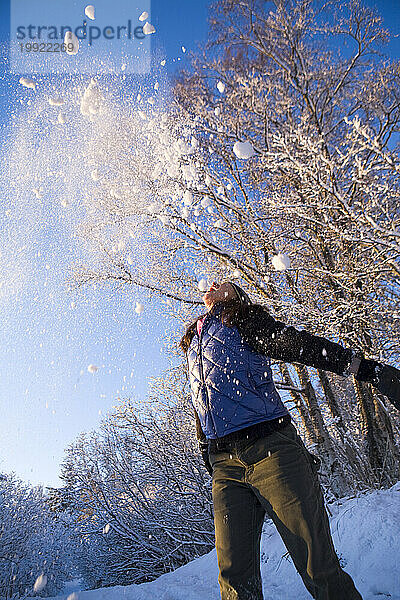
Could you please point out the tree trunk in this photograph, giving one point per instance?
(310, 436)
(381, 450)
(331, 400)
(310, 397)
(335, 473)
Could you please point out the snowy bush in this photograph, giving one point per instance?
(36, 548)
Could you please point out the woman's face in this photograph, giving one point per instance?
(219, 293)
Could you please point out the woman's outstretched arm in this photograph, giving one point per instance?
(278, 341)
(281, 342)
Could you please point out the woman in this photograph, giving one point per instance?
(258, 462)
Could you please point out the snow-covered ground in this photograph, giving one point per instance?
(366, 531)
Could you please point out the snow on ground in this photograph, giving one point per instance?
(366, 532)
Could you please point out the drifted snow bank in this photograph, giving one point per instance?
(366, 532)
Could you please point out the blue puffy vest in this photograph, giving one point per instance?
(231, 385)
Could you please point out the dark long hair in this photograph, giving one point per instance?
(232, 312)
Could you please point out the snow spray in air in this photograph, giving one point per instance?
(96, 166)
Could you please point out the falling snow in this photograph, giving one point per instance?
(71, 39)
(139, 308)
(40, 583)
(91, 99)
(203, 285)
(56, 101)
(28, 83)
(243, 150)
(281, 262)
(148, 28)
(89, 12)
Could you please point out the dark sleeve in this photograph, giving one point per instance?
(280, 342)
(203, 444)
(199, 432)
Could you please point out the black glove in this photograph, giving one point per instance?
(203, 445)
(385, 378)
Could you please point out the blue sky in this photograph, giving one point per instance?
(47, 395)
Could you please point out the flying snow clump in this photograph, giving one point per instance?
(281, 262)
(106, 528)
(40, 583)
(187, 198)
(148, 28)
(203, 285)
(243, 150)
(89, 12)
(56, 101)
(92, 368)
(144, 16)
(62, 119)
(139, 308)
(70, 38)
(220, 87)
(28, 83)
(206, 202)
(90, 101)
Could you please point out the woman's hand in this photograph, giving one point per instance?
(385, 378)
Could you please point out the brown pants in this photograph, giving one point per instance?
(275, 476)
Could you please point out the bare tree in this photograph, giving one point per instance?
(34, 542)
